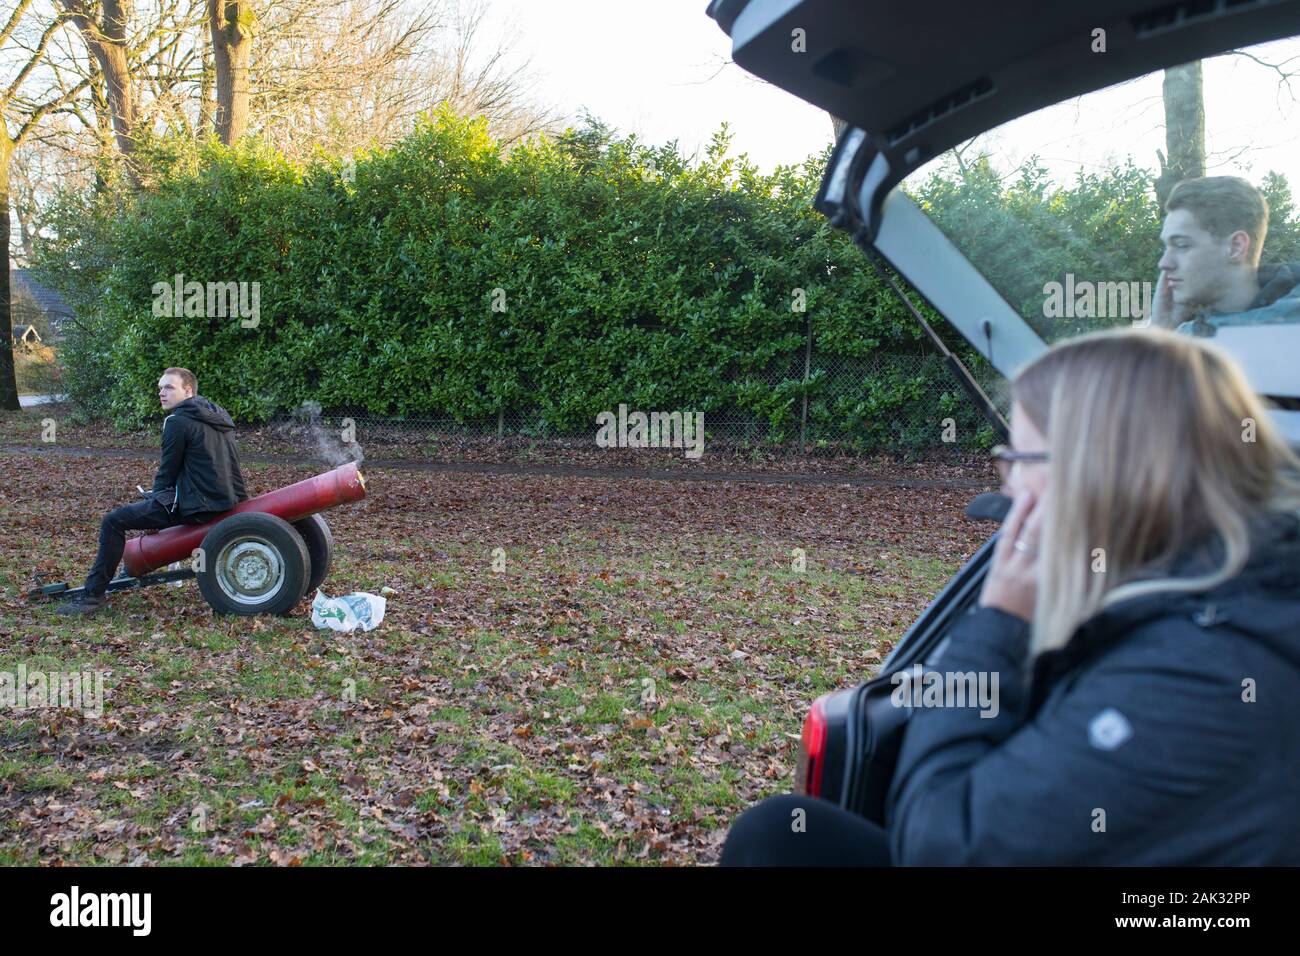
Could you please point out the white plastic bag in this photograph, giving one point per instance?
(347, 613)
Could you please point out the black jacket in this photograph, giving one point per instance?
(1167, 732)
(199, 469)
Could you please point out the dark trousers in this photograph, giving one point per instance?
(144, 515)
(791, 830)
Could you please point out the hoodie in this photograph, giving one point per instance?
(1166, 733)
(1278, 301)
(199, 468)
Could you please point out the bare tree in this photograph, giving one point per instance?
(349, 72)
(479, 79)
(333, 73)
(336, 73)
(105, 33)
(172, 57)
(1183, 91)
(32, 171)
(153, 54)
(1287, 70)
(23, 103)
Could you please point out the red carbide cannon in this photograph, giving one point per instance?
(261, 557)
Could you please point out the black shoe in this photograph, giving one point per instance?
(82, 604)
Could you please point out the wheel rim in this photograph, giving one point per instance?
(249, 570)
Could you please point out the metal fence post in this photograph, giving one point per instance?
(807, 364)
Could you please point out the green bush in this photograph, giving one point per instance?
(442, 276)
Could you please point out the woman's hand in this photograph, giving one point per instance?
(1011, 584)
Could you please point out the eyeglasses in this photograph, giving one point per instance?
(1004, 456)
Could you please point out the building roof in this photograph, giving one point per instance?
(46, 299)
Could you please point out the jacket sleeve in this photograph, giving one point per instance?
(173, 454)
(237, 478)
(1108, 761)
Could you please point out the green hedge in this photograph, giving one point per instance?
(629, 275)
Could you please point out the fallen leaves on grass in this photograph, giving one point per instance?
(634, 678)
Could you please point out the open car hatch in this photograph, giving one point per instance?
(913, 82)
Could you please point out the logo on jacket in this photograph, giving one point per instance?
(1109, 729)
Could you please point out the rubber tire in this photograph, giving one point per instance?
(316, 534)
(276, 533)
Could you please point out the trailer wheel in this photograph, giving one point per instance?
(316, 534)
(255, 564)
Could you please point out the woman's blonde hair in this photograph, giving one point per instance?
(1156, 441)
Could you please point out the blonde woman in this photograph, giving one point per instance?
(1142, 614)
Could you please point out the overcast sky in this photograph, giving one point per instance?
(661, 69)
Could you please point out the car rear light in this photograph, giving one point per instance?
(812, 750)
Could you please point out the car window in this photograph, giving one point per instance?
(1076, 216)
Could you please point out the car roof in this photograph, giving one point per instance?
(923, 76)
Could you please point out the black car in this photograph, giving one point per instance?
(1001, 161)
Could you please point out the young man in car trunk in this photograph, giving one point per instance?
(1210, 272)
(198, 478)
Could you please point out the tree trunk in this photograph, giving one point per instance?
(107, 42)
(117, 73)
(1184, 96)
(231, 23)
(103, 124)
(8, 380)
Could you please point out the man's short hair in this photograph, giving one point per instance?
(186, 376)
(1223, 205)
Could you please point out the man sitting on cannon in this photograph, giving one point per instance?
(198, 478)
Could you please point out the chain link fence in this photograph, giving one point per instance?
(883, 402)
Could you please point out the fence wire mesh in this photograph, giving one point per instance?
(914, 403)
(882, 401)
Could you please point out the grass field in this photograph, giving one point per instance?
(634, 677)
